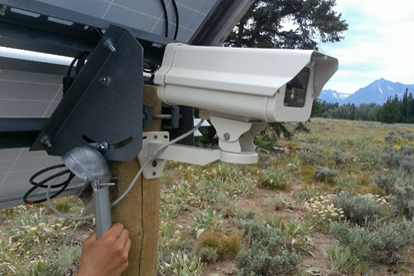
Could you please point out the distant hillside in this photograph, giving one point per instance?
(376, 92)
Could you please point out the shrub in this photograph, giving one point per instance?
(296, 234)
(382, 243)
(312, 157)
(390, 238)
(277, 203)
(342, 260)
(350, 236)
(265, 254)
(226, 246)
(369, 158)
(325, 174)
(338, 157)
(273, 178)
(344, 184)
(180, 263)
(227, 206)
(206, 220)
(402, 158)
(403, 195)
(360, 209)
(208, 254)
(386, 181)
(322, 211)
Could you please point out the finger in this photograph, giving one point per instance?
(115, 230)
(90, 239)
(123, 238)
(127, 246)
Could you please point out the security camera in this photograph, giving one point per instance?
(270, 85)
(241, 89)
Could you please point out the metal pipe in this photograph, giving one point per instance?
(103, 220)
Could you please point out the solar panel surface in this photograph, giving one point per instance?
(25, 92)
(145, 15)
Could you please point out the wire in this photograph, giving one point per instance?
(40, 184)
(177, 18)
(165, 17)
(151, 157)
(49, 201)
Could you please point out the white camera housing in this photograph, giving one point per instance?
(239, 90)
(271, 85)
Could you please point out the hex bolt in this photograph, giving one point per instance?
(105, 81)
(226, 136)
(102, 146)
(46, 141)
(109, 44)
(3, 10)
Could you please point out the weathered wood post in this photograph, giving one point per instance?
(139, 210)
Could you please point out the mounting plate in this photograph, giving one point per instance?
(151, 142)
(103, 106)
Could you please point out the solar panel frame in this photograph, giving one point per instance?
(33, 89)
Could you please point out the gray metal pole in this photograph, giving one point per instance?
(103, 220)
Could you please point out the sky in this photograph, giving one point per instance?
(379, 44)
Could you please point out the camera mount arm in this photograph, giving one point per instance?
(235, 142)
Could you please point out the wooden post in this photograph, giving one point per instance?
(139, 210)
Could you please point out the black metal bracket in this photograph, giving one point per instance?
(103, 106)
(178, 122)
(147, 116)
(20, 132)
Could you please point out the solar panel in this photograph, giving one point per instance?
(145, 15)
(31, 83)
(26, 94)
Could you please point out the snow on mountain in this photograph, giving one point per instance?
(376, 92)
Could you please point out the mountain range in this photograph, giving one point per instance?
(376, 92)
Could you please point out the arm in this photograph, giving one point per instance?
(107, 255)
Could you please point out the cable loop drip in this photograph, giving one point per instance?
(41, 184)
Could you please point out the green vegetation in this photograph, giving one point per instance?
(344, 191)
(394, 110)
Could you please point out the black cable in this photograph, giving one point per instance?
(40, 184)
(177, 18)
(78, 56)
(68, 79)
(165, 17)
(81, 62)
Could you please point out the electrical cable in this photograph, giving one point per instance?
(177, 18)
(81, 62)
(49, 201)
(152, 156)
(164, 7)
(68, 79)
(40, 184)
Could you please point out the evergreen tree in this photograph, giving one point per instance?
(313, 20)
(405, 108)
(263, 26)
(389, 112)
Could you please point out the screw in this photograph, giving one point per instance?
(46, 141)
(102, 146)
(3, 10)
(105, 81)
(109, 44)
(226, 136)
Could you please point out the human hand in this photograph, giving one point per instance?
(106, 256)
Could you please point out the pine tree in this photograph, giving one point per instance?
(313, 20)
(263, 26)
(389, 112)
